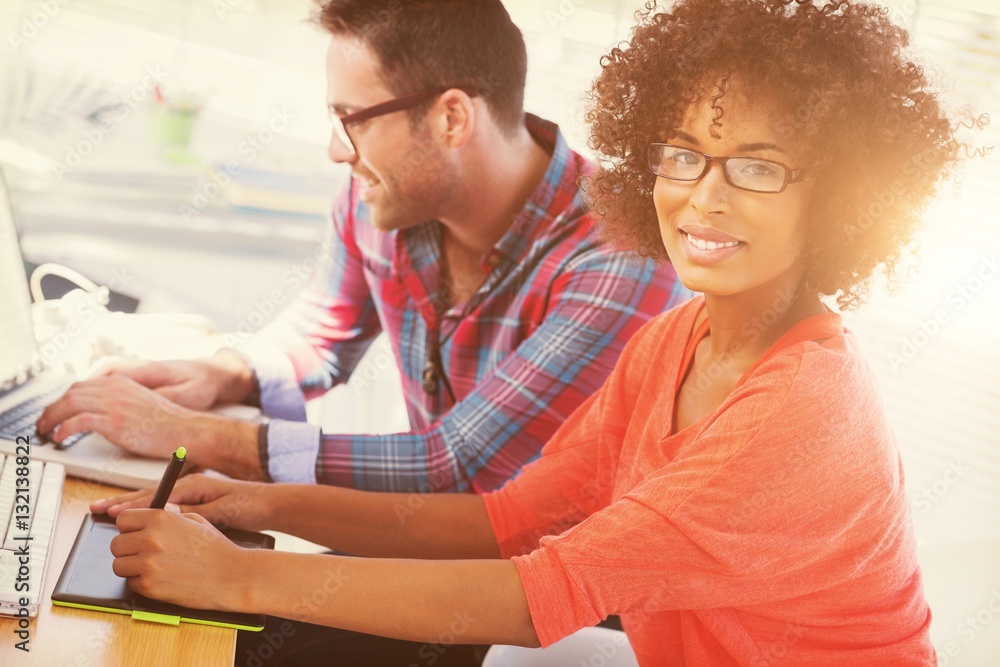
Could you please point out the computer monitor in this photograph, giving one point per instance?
(18, 348)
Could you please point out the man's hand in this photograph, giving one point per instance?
(197, 384)
(123, 411)
(226, 503)
(143, 422)
(179, 558)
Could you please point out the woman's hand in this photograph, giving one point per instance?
(180, 558)
(224, 502)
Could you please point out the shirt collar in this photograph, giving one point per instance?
(417, 253)
(560, 184)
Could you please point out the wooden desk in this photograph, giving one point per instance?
(64, 637)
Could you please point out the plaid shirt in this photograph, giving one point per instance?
(539, 336)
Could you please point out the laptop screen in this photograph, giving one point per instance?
(18, 350)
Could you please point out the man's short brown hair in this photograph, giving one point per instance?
(424, 44)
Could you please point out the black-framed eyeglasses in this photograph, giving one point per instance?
(746, 173)
(340, 123)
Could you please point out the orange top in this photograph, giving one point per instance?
(773, 531)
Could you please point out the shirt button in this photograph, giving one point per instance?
(494, 259)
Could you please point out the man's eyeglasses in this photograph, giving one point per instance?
(340, 123)
(746, 173)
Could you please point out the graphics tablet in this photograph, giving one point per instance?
(89, 582)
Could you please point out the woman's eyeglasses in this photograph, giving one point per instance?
(746, 173)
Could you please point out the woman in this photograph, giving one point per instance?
(733, 491)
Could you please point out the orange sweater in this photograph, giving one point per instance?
(774, 531)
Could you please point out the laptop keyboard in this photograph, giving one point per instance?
(20, 419)
(43, 491)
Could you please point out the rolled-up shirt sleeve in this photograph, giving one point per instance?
(292, 449)
(312, 346)
(280, 394)
(325, 331)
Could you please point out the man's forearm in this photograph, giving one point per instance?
(233, 375)
(227, 445)
(384, 525)
(468, 601)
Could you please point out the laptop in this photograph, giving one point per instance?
(27, 386)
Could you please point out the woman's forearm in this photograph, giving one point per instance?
(385, 525)
(464, 602)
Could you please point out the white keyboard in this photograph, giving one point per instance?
(34, 519)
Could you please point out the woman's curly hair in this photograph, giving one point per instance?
(878, 140)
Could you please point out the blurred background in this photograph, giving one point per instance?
(174, 150)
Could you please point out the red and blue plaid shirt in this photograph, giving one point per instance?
(538, 337)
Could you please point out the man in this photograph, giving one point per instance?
(463, 234)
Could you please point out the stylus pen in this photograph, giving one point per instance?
(170, 476)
